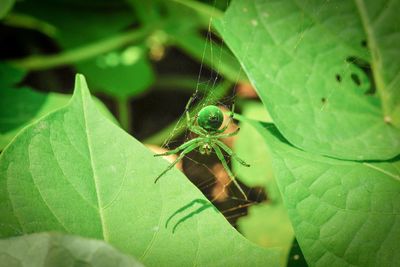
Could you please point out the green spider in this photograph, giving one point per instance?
(209, 121)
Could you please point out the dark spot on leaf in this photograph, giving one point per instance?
(366, 68)
(356, 79)
(364, 43)
(359, 62)
(338, 78)
(323, 100)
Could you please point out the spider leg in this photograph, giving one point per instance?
(183, 153)
(197, 130)
(225, 165)
(179, 148)
(228, 134)
(229, 122)
(223, 128)
(231, 153)
(188, 119)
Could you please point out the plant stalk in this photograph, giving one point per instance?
(124, 114)
(42, 62)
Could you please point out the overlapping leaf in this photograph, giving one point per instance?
(54, 249)
(76, 172)
(344, 213)
(308, 61)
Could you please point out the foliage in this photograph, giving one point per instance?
(311, 78)
(5, 7)
(343, 212)
(323, 142)
(310, 75)
(25, 105)
(53, 249)
(66, 179)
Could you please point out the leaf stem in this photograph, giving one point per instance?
(41, 62)
(124, 114)
(180, 82)
(29, 22)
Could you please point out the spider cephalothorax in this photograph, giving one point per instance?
(207, 125)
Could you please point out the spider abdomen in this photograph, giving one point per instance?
(210, 118)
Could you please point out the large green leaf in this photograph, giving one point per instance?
(74, 171)
(54, 249)
(306, 60)
(344, 213)
(381, 22)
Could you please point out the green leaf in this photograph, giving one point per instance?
(343, 213)
(380, 20)
(10, 75)
(23, 106)
(5, 7)
(74, 171)
(55, 249)
(122, 74)
(307, 62)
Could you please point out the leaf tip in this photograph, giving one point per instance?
(81, 89)
(81, 85)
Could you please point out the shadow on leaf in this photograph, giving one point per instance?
(204, 204)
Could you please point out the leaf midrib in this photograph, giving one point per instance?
(366, 23)
(92, 164)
